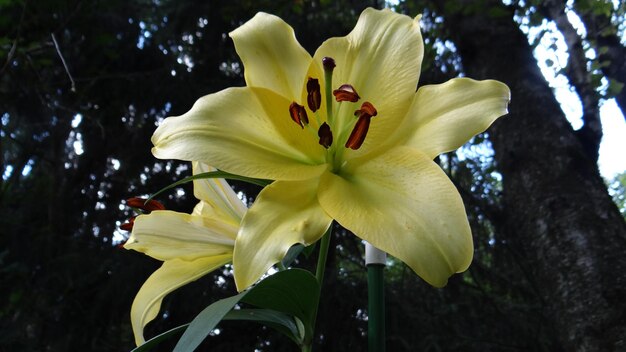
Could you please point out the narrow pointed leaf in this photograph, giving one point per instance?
(292, 254)
(205, 322)
(281, 322)
(212, 174)
(153, 342)
(292, 291)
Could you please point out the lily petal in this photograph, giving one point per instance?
(170, 276)
(404, 204)
(271, 55)
(245, 131)
(222, 201)
(381, 58)
(168, 234)
(443, 117)
(284, 213)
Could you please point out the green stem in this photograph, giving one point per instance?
(376, 308)
(319, 275)
(321, 260)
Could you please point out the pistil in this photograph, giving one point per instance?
(329, 66)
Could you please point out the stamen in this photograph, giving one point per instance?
(298, 114)
(128, 226)
(346, 93)
(326, 135)
(140, 203)
(358, 133)
(365, 113)
(366, 109)
(314, 94)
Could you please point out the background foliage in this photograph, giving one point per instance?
(83, 85)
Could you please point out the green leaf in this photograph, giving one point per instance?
(292, 254)
(205, 322)
(153, 342)
(282, 322)
(309, 250)
(614, 88)
(498, 12)
(294, 292)
(212, 174)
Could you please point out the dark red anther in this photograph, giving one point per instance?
(141, 203)
(366, 109)
(328, 63)
(346, 93)
(359, 132)
(128, 226)
(326, 135)
(314, 95)
(298, 114)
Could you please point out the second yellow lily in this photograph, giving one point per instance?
(190, 245)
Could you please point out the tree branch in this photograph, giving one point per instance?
(602, 34)
(579, 77)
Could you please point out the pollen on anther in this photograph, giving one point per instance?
(366, 109)
(314, 95)
(141, 203)
(346, 92)
(298, 114)
(128, 226)
(326, 135)
(365, 114)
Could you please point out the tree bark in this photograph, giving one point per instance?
(556, 206)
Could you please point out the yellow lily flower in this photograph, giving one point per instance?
(363, 158)
(190, 245)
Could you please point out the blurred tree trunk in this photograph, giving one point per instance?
(557, 210)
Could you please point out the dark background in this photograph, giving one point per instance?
(549, 272)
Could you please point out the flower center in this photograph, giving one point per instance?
(327, 126)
